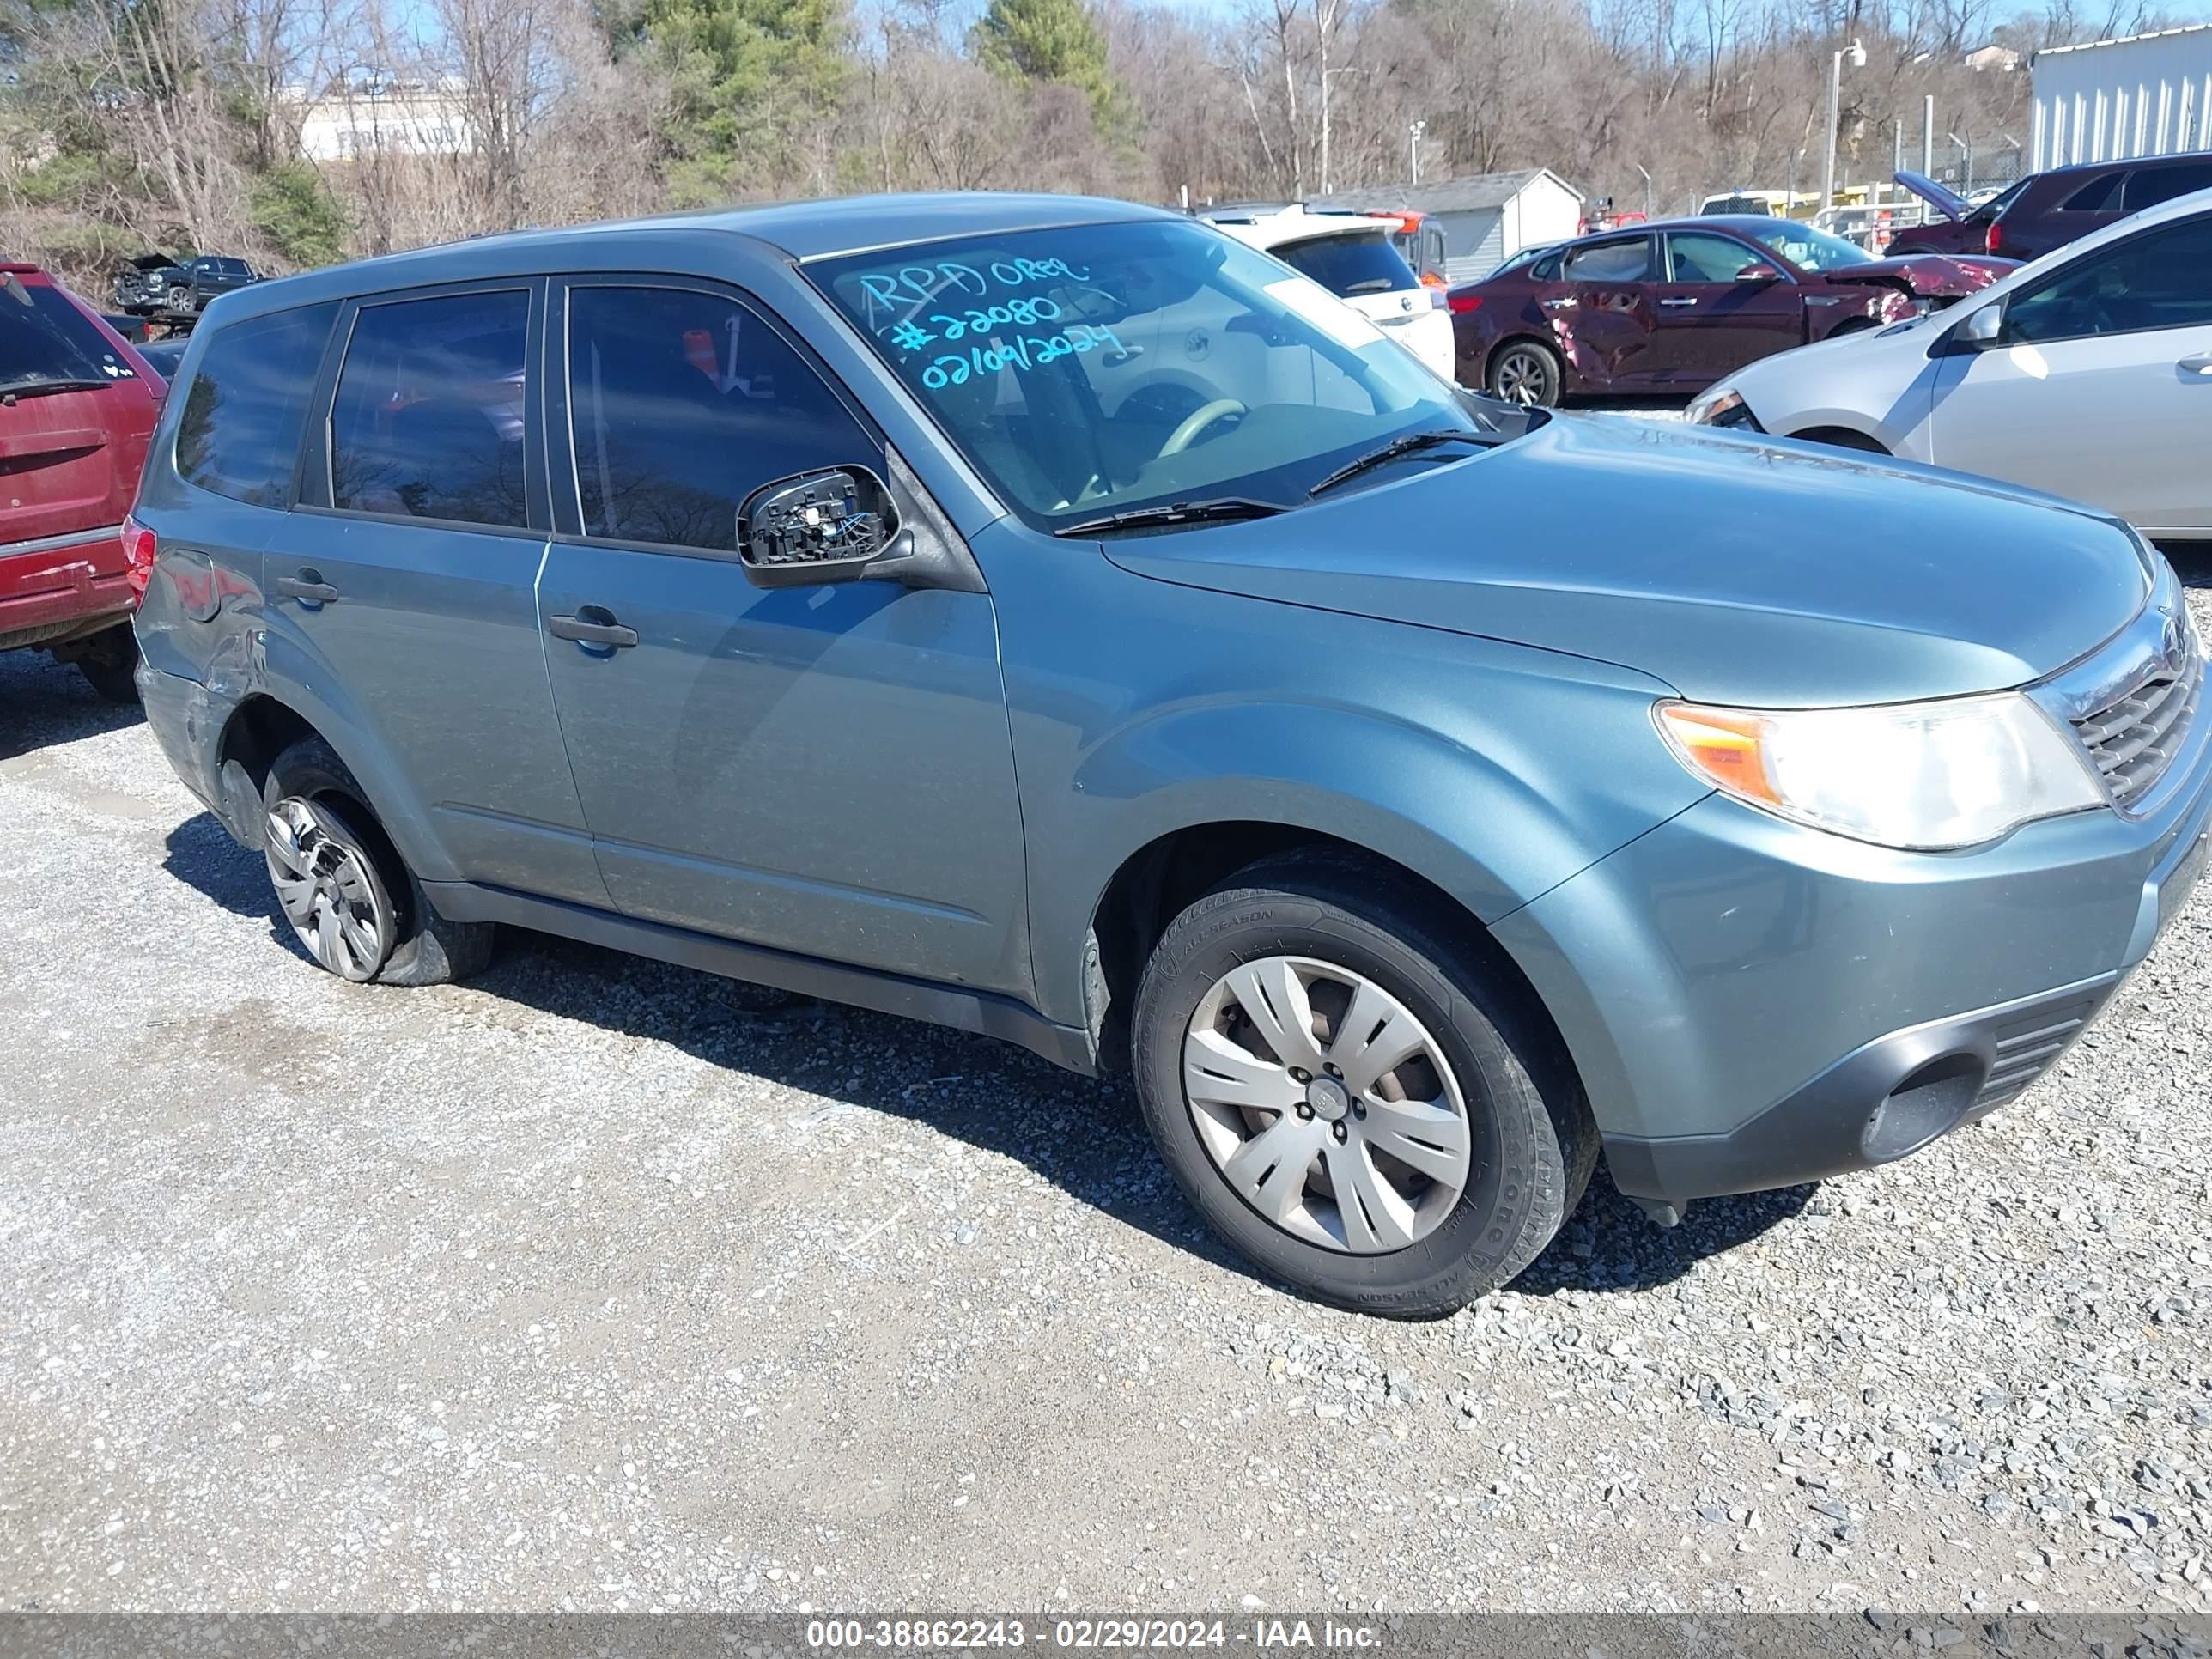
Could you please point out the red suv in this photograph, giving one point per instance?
(2046, 210)
(76, 408)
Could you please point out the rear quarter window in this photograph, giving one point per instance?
(2095, 197)
(248, 405)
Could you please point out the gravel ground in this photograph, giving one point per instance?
(597, 1284)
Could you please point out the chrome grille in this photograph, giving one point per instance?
(2134, 740)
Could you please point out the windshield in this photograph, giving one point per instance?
(1807, 248)
(46, 341)
(1100, 368)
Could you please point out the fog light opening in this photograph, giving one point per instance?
(1928, 1102)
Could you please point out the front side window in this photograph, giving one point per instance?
(1807, 248)
(683, 403)
(1364, 262)
(428, 421)
(1704, 258)
(1098, 369)
(47, 342)
(2162, 279)
(1610, 262)
(248, 405)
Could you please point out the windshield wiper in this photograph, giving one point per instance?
(1404, 444)
(1139, 518)
(12, 390)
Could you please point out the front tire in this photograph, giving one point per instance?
(357, 908)
(1524, 372)
(1364, 1104)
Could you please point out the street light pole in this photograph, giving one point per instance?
(1856, 53)
(1413, 150)
(1638, 166)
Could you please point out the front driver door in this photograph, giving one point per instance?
(1710, 323)
(2100, 386)
(823, 770)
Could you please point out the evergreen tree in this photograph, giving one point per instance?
(1050, 40)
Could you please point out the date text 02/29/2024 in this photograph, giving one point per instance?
(1122, 1635)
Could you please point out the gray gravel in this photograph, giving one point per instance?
(597, 1284)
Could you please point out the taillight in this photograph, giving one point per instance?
(139, 547)
(1994, 242)
(1463, 302)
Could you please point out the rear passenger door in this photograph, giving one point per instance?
(825, 769)
(1609, 311)
(402, 591)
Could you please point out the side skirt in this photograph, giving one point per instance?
(981, 1012)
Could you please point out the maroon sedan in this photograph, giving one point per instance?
(1672, 307)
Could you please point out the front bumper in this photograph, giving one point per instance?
(1708, 977)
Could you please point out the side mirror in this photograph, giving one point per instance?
(1982, 329)
(823, 526)
(1758, 271)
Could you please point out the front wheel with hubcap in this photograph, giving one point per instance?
(1371, 1108)
(349, 897)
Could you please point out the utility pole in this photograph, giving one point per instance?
(1928, 136)
(1857, 53)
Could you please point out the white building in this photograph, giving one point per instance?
(381, 116)
(2112, 101)
(1485, 217)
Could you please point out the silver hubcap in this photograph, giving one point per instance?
(1327, 1105)
(325, 890)
(1519, 378)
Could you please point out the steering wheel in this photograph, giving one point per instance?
(1197, 421)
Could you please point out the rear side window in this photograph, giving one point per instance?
(683, 404)
(1610, 262)
(1348, 266)
(2149, 186)
(2095, 197)
(240, 435)
(46, 341)
(427, 421)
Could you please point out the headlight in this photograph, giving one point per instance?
(1720, 406)
(1925, 776)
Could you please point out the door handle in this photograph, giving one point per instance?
(593, 624)
(1678, 302)
(1557, 305)
(308, 587)
(2200, 364)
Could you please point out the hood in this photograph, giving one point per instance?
(150, 262)
(1948, 202)
(1737, 571)
(1932, 274)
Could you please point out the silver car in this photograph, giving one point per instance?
(2087, 374)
